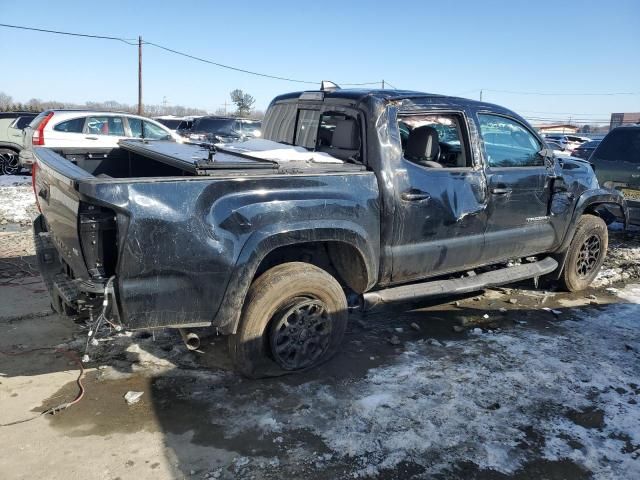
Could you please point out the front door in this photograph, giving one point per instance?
(440, 199)
(519, 184)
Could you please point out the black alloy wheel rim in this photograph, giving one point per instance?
(9, 163)
(300, 333)
(588, 256)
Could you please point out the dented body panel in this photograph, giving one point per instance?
(188, 247)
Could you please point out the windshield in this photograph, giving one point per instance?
(222, 126)
(171, 123)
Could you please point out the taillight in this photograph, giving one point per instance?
(34, 170)
(38, 134)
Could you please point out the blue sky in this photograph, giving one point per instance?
(441, 47)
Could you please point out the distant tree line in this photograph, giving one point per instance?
(7, 104)
(243, 103)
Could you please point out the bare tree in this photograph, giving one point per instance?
(6, 101)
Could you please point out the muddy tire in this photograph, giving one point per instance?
(586, 253)
(294, 318)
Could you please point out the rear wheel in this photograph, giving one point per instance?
(294, 318)
(586, 253)
(9, 162)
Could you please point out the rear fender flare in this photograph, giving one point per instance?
(262, 242)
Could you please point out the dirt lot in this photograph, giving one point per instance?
(510, 383)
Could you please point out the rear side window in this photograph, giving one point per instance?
(22, 122)
(620, 145)
(508, 143)
(105, 126)
(70, 126)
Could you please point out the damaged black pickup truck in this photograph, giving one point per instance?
(369, 195)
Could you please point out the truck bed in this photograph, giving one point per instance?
(153, 159)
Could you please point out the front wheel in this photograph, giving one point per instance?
(586, 253)
(294, 318)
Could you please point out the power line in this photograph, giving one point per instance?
(512, 92)
(129, 41)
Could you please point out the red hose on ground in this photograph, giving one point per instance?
(63, 406)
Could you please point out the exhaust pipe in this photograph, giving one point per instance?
(190, 339)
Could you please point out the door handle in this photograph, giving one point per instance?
(414, 195)
(91, 138)
(500, 191)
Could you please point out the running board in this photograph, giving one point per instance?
(459, 285)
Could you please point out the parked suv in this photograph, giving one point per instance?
(179, 125)
(617, 165)
(64, 129)
(12, 139)
(224, 129)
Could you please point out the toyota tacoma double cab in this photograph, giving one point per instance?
(350, 198)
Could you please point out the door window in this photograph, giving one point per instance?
(112, 126)
(70, 126)
(153, 132)
(434, 141)
(508, 143)
(143, 129)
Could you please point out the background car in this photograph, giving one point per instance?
(556, 147)
(12, 125)
(585, 150)
(567, 142)
(224, 129)
(82, 128)
(180, 125)
(617, 164)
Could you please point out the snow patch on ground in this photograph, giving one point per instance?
(495, 400)
(17, 203)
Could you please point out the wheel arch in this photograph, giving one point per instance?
(343, 250)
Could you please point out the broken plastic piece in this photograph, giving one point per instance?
(85, 359)
(132, 397)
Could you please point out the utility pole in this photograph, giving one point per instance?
(225, 107)
(140, 75)
(480, 94)
(382, 84)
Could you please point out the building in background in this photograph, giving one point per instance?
(618, 119)
(557, 128)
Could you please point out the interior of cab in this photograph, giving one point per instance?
(433, 141)
(339, 136)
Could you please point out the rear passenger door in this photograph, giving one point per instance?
(519, 182)
(439, 215)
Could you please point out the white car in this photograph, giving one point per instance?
(568, 142)
(60, 129)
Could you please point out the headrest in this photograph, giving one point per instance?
(346, 135)
(423, 144)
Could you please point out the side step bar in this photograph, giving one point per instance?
(459, 285)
